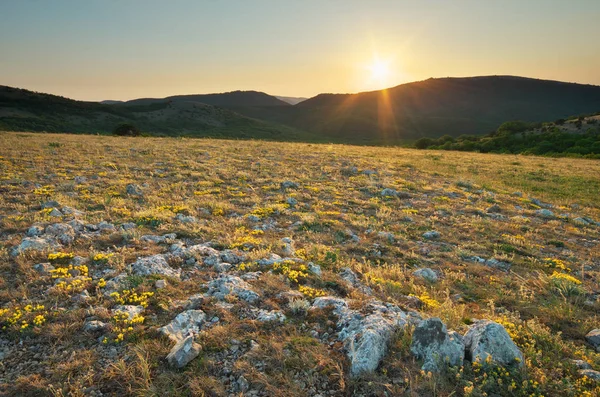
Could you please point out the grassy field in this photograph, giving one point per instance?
(249, 195)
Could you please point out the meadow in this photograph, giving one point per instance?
(509, 238)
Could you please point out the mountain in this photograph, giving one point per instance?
(23, 110)
(291, 99)
(434, 107)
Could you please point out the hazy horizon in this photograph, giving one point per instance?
(99, 50)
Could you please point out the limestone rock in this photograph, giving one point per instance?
(488, 338)
(155, 264)
(184, 324)
(183, 352)
(432, 342)
(426, 274)
(231, 285)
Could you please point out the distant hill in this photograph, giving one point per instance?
(23, 110)
(430, 108)
(291, 100)
(434, 107)
(225, 100)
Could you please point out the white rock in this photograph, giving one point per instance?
(439, 348)
(488, 338)
(155, 264)
(426, 274)
(231, 285)
(184, 324)
(183, 352)
(33, 244)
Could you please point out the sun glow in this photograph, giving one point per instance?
(379, 73)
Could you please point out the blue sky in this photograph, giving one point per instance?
(122, 49)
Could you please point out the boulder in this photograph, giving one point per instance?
(432, 343)
(426, 273)
(134, 190)
(545, 213)
(591, 374)
(183, 352)
(155, 264)
(184, 324)
(431, 235)
(593, 338)
(94, 326)
(488, 338)
(231, 285)
(270, 316)
(62, 232)
(36, 244)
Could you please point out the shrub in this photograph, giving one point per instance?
(126, 130)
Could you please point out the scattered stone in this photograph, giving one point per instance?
(288, 185)
(155, 264)
(128, 226)
(242, 384)
(270, 316)
(63, 232)
(387, 192)
(439, 348)
(186, 218)
(544, 213)
(593, 338)
(43, 269)
(184, 324)
(232, 256)
(353, 279)
(488, 338)
(94, 326)
(591, 374)
(494, 209)
(580, 222)
(291, 201)
(231, 285)
(50, 204)
(55, 213)
(495, 263)
(160, 284)
(134, 190)
(37, 244)
(314, 269)
(131, 310)
(106, 227)
(288, 246)
(183, 352)
(432, 234)
(580, 364)
(34, 231)
(71, 211)
(426, 274)
(222, 267)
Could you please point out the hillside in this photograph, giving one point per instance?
(23, 110)
(435, 107)
(191, 267)
(224, 100)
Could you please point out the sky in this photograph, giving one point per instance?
(125, 49)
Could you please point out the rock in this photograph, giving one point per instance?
(131, 310)
(222, 267)
(80, 179)
(232, 256)
(580, 222)
(186, 218)
(495, 263)
(292, 202)
(184, 324)
(314, 269)
(593, 338)
(270, 260)
(591, 374)
(34, 231)
(242, 384)
(544, 213)
(432, 234)
(324, 302)
(288, 246)
(37, 244)
(94, 326)
(488, 338)
(115, 284)
(493, 209)
(158, 239)
(270, 316)
(43, 269)
(352, 278)
(432, 343)
(183, 352)
(106, 227)
(288, 185)
(155, 264)
(231, 285)
(50, 204)
(387, 192)
(426, 274)
(55, 213)
(134, 190)
(128, 226)
(580, 364)
(160, 284)
(71, 211)
(63, 232)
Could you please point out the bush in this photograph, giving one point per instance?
(126, 130)
(424, 143)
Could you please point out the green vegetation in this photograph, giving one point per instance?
(518, 137)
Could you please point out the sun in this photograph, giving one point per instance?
(380, 72)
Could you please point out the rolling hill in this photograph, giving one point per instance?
(429, 108)
(23, 110)
(434, 107)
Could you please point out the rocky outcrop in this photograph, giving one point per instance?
(184, 324)
(488, 338)
(437, 347)
(155, 264)
(231, 285)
